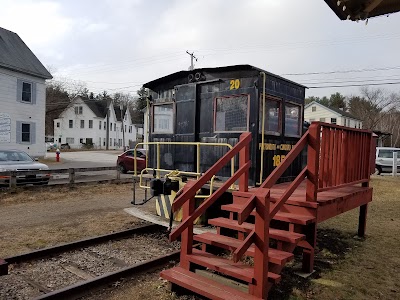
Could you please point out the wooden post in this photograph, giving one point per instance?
(313, 152)
(261, 260)
(362, 218)
(310, 232)
(13, 181)
(118, 175)
(187, 235)
(244, 157)
(71, 173)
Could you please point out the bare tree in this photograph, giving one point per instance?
(372, 106)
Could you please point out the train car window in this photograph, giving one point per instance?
(231, 113)
(163, 118)
(292, 119)
(272, 116)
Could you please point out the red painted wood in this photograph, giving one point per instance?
(285, 196)
(246, 209)
(242, 248)
(207, 203)
(277, 172)
(262, 252)
(204, 286)
(285, 217)
(224, 242)
(245, 139)
(313, 155)
(240, 271)
(244, 157)
(281, 235)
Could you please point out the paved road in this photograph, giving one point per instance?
(85, 159)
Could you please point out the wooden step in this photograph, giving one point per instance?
(225, 266)
(204, 286)
(275, 256)
(297, 198)
(280, 216)
(280, 235)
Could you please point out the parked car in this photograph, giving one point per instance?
(384, 160)
(126, 161)
(15, 160)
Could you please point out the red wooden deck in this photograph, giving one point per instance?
(335, 180)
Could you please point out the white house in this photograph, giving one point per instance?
(95, 123)
(315, 111)
(22, 96)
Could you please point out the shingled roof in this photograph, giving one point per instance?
(99, 107)
(15, 55)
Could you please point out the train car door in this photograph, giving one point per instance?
(185, 126)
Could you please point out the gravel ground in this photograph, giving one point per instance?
(72, 267)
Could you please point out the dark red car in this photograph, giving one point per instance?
(126, 161)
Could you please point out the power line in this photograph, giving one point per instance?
(352, 85)
(350, 81)
(343, 71)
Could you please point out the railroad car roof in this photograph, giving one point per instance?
(362, 9)
(181, 74)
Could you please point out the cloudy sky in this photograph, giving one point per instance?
(119, 45)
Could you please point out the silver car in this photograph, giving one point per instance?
(15, 160)
(384, 159)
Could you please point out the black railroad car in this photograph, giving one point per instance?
(215, 105)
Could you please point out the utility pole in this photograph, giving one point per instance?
(191, 59)
(121, 107)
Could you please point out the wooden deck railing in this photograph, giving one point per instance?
(337, 156)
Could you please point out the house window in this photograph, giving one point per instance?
(110, 141)
(100, 129)
(110, 126)
(231, 113)
(333, 120)
(312, 120)
(115, 126)
(104, 142)
(70, 140)
(26, 92)
(344, 121)
(122, 128)
(26, 132)
(81, 140)
(125, 128)
(105, 125)
(130, 129)
(82, 123)
(115, 143)
(292, 119)
(162, 119)
(313, 108)
(78, 110)
(322, 119)
(58, 124)
(71, 124)
(90, 123)
(272, 116)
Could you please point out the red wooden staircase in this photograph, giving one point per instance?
(293, 206)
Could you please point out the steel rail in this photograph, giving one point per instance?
(81, 243)
(82, 288)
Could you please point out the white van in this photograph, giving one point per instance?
(384, 159)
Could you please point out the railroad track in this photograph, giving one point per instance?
(72, 270)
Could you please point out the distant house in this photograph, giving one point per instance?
(315, 111)
(95, 124)
(22, 96)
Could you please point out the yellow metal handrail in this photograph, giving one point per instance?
(197, 144)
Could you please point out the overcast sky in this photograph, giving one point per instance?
(119, 45)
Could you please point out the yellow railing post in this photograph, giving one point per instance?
(158, 160)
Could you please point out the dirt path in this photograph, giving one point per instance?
(39, 218)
